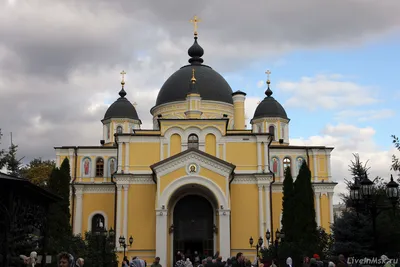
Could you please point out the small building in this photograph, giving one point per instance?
(23, 216)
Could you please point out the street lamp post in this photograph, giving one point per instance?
(122, 243)
(279, 235)
(258, 246)
(362, 195)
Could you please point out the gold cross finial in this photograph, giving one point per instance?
(195, 20)
(268, 72)
(193, 80)
(123, 77)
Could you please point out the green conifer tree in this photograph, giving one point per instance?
(288, 213)
(59, 212)
(306, 226)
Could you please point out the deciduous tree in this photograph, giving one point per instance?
(38, 171)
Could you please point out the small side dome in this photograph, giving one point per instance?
(121, 108)
(269, 107)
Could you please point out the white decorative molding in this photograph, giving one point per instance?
(124, 179)
(187, 180)
(90, 218)
(193, 157)
(97, 188)
(254, 178)
(248, 179)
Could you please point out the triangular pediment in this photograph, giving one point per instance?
(191, 159)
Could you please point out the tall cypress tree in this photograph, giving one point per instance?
(59, 212)
(288, 212)
(304, 222)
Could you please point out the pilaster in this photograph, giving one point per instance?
(161, 235)
(315, 173)
(120, 156)
(328, 167)
(259, 158)
(318, 208)
(260, 210)
(266, 158)
(224, 233)
(126, 203)
(119, 215)
(78, 209)
(331, 218)
(267, 207)
(127, 157)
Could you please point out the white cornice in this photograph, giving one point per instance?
(95, 188)
(186, 159)
(124, 179)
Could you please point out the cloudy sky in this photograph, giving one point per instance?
(334, 66)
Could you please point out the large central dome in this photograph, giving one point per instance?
(210, 84)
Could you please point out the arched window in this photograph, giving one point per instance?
(193, 141)
(271, 130)
(98, 223)
(119, 130)
(287, 163)
(99, 167)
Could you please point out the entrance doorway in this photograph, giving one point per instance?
(193, 220)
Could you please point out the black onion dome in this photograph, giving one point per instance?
(209, 83)
(269, 107)
(121, 108)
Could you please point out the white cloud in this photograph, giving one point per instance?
(348, 139)
(260, 84)
(250, 106)
(327, 92)
(364, 115)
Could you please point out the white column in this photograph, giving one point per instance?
(118, 226)
(267, 208)
(71, 163)
(315, 166)
(161, 235)
(331, 218)
(119, 157)
(78, 210)
(126, 157)
(328, 163)
(318, 208)
(259, 159)
(126, 189)
(266, 159)
(224, 233)
(260, 211)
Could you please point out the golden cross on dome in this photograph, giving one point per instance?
(123, 77)
(195, 20)
(268, 72)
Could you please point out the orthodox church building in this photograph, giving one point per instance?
(200, 180)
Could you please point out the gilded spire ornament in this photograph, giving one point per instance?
(268, 72)
(193, 80)
(195, 20)
(268, 92)
(123, 78)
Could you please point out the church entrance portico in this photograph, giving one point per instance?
(195, 217)
(193, 224)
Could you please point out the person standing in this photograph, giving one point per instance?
(156, 262)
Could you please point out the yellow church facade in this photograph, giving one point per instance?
(200, 180)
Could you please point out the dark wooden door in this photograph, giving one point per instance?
(193, 225)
